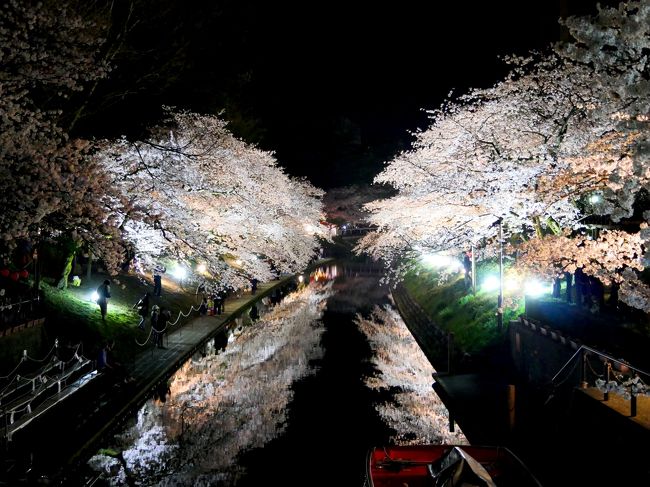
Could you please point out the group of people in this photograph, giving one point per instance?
(211, 303)
(104, 293)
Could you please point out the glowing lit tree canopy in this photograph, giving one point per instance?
(210, 197)
(533, 151)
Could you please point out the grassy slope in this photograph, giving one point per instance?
(72, 317)
(472, 318)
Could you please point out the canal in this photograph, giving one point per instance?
(286, 401)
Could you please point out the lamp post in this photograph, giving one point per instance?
(473, 269)
(500, 300)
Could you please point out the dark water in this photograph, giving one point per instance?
(331, 421)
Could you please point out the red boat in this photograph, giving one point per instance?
(446, 466)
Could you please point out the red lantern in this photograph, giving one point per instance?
(15, 276)
(24, 274)
(4, 273)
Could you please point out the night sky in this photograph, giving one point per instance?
(332, 87)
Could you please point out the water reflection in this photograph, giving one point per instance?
(161, 392)
(221, 402)
(324, 273)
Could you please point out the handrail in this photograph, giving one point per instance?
(601, 354)
(567, 364)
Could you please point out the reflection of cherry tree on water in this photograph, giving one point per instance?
(416, 413)
(224, 404)
(565, 136)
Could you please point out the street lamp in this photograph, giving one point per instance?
(500, 300)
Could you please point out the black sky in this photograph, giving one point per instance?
(332, 87)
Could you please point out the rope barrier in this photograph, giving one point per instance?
(180, 313)
(56, 344)
(39, 373)
(592, 369)
(53, 363)
(22, 359)
(16, 378)
(8, 306)
(168, 325)
(147, 340)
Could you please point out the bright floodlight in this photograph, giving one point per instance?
(511, 284)
(94, 296)
(201, 268)
(491, 283)
(179, 272)
(535, 288)
(594, 198)
(301, 278)
(442, 261)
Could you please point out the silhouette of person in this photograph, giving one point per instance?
(158, 271)
(103, 293)
(143, 309)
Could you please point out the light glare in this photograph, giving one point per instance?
(535, 288)
(442, 261)
(179, 272)
(491, 283)
(511, 283)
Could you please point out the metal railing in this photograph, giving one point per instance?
(607, 374)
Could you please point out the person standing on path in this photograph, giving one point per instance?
(158, 271)
(155, 324)
(218, 302)
(143, 309)
(163, 321)
(203, 308)
(103, 293)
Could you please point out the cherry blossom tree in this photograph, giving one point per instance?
(531, 152)
(50, 185)
(345, 204)
(210, 197)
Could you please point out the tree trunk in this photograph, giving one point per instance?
(553, 226)
(569, 287)
(67, 268)
(557, 283)
(89, 269)
(537, 224)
